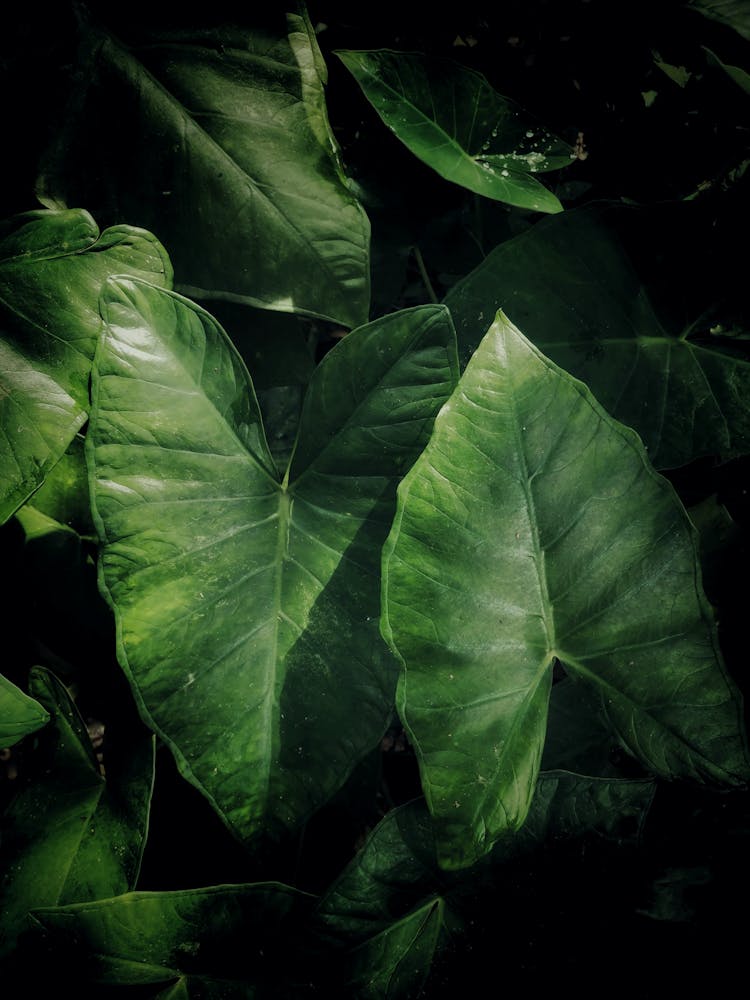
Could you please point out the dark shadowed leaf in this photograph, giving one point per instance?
(52, 266)
(533, 529)
(568, 284)
(247, 601)
(735, 73)
(734, 13)
(451, 118)
(222, 941)
(70, 834)
(222, 147)
(393, 903)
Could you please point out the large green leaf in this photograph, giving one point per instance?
(247, 603)
(451, 118)
(70, 834)
(217, 138)
(218, 942)
(533, 529)
(19, 714)
(568, 284)
(52, 266)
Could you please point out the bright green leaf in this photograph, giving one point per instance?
(222, 146)
(734, 13)
(532, 529)
(222, 941)
(70, 834)
(452, 119)
(247, 602)
(735, 73)
(569, 285)
(52, 266)
(19, 714)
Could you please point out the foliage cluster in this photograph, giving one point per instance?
(374, 487)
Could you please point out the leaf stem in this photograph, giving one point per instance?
(425, 276)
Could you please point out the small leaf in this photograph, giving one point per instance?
(69, 834)
(19, 714)
(532, 529)
(248, 601)
(452, 119)
(52, 266)
(570, 286)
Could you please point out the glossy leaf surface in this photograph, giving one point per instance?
(19, 714)
(223, 148)
(568, 284)
(452, 119)
(52, 267)
(248, 603)
(532, 529)
(70, 834)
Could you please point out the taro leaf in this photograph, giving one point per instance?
(70, 834)
(52, 266)
(223, 148)
(395, 882)
(735, 73)
(19, 714)
(221, 941)
(734, 13)
(570, 286)
(532, 529)
(451, 118)
(248, 603)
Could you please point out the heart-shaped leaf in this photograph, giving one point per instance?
(452, 119)
(70, 834)
(570, 286)
(222, 147)
(533, 529)
(52, 266)
(248, 603)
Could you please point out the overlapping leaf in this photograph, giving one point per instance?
(570, 286)
(248, 606)
(70, 834)
(532, 529)
(217, 138)
(451, 118)
(52, 266)
(223, 941)
(389, 911)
